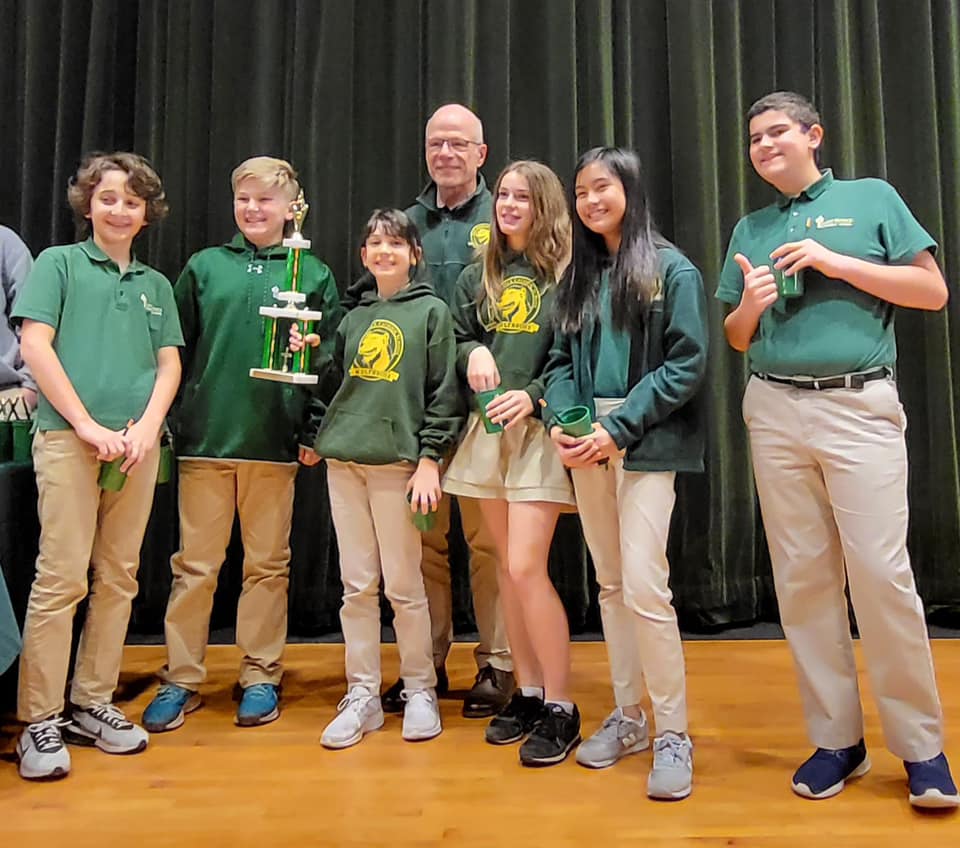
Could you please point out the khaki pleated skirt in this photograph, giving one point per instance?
(516, 465)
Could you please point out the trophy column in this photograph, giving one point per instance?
(278, 362)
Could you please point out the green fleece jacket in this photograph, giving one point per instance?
(660, 424)
(392, 380)
(221, 412)
(451, 240)
(519, 337)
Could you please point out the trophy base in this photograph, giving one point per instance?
(283, 376)
(291, 313)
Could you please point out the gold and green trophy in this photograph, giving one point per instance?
(279, 363)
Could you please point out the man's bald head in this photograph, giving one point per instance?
(454, 152)
(457, 114)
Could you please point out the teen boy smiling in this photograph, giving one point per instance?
(827, 437)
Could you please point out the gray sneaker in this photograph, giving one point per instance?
(41, 751)
(671, 777)
(105, 727)
(617, 737)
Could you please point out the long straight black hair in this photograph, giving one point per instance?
(634, 271)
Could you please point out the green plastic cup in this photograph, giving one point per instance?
(575, 421)
(165, 466)
(423, 521)
(791, 286)
(6, 441)
(483, 399)
(22, 432)
(111, 477)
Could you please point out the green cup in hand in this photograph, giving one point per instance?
(483, 400)
(423, 521)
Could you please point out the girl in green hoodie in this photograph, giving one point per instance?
(503, 317)
(393, 416)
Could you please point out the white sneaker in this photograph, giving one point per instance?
(618, 736)
(421, 715)
(106, 728)
(358, 713)
(41, 751)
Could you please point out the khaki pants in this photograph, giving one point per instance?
(211, 491)
(81, 527)
(626, 522)
(492, 648)
(375, 535)
(831, 472)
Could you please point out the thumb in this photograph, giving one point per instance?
(744, 263)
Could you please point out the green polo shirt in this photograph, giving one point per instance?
(109, 327)
(834, 327)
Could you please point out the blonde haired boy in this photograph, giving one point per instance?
(237, 444)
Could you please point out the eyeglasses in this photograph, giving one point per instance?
(457, 145)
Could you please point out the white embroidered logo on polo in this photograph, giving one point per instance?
(828, 223)
(149, 307)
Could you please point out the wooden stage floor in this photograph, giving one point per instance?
(213, 784)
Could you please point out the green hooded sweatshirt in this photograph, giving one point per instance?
(392, 379)
(519, 338)
(221, 412)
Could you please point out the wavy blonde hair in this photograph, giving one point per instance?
(548, 245)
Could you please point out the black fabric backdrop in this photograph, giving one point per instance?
(343, 90)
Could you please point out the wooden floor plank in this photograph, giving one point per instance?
(213, 784)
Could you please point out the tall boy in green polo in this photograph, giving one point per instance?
(100, 334)
(827, 438)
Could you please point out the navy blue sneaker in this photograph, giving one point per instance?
(259, 704)
(931, 785)
(824, 774)
(169, 706)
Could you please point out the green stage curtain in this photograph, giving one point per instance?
(343, 90)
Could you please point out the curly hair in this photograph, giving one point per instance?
(142, 181)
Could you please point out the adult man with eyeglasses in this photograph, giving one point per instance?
(452, 214)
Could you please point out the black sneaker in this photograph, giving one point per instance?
(553, 737)
(391, 701)
(489, 694)
(515, 720)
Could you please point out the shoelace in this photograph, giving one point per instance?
(486, 673)
(548, 725)
(46, 734)
(610, 729)
(670, 750)
(258, 689)
(520, 705)
(110, 715)
(408, 695)
(169, 692)
(356, 700)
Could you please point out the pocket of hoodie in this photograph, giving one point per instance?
(358, 437)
